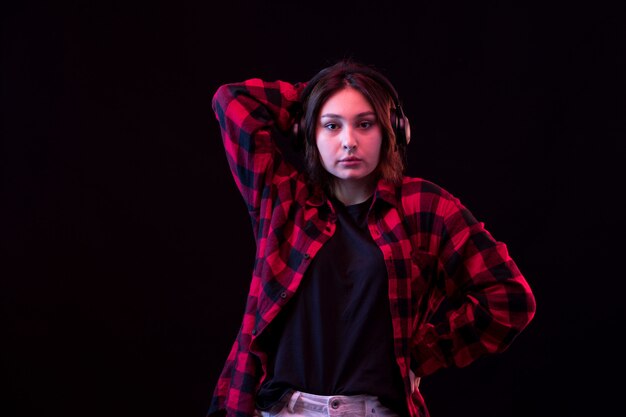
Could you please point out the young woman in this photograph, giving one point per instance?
(365, 280)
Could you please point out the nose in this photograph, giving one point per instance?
(348, 140)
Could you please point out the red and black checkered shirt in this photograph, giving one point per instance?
(434, 251)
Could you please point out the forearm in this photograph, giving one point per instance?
(489, 302)
(249, 114)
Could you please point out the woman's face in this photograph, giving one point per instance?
(348, 136)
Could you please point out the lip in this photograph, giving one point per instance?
(350, 162)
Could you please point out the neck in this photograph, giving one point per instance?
(349, 192)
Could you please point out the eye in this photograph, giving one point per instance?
(331, 126)
(366, 124)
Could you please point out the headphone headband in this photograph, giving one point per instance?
(399, 122)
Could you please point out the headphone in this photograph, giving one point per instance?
(399, 121)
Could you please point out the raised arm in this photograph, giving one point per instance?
(252, 115)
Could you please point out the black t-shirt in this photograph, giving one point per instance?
(335, 336)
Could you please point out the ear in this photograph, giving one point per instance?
(401, 126)
(298, 133)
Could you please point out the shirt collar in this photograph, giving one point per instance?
(385, 193)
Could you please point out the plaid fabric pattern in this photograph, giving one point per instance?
(455, 293)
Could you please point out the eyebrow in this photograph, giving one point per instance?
(365, 113)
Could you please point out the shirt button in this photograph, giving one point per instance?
(253, 331)
(283, 295)
(306, 256)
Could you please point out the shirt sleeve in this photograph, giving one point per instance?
(488, 302)
(251, 115)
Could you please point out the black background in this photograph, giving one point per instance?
(127, 249)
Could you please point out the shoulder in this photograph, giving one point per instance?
(419, 196)
(415, 187)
